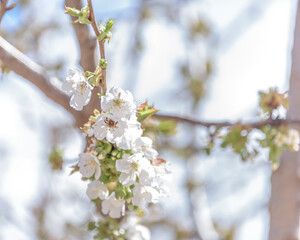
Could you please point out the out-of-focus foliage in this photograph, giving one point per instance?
(271, 101)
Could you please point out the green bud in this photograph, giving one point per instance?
(114, 153)
(104, 31)
(146, 113)
(72, 11)
(103, 63)
(128, 193)
(105, 179)
(109, 25)
(107, 148)
(120, 154)
(83, 14)
(120, 194)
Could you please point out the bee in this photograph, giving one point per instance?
(110, 123)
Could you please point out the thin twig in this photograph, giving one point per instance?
(101, 44)
(257, 124)
(3, 4)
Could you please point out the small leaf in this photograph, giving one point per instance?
(146, 113)
(91, 226)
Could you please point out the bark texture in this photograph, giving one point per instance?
(284, 202)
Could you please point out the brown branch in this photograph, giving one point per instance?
(3, 9)
(16, 61)
(257, 124)
(101, 44)
(87, 43)
(37, 75)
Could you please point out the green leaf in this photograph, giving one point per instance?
(72, 11)
(91, 226)
(83, 14)
(146, 113)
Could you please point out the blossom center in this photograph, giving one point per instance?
(82, 87)
(118, 102)
(91, 163)
(135, 166)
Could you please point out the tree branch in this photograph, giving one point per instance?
(16, 61)
(257, 124)
(37, 75)
(87, 43)
(3, 4)
(101, 44)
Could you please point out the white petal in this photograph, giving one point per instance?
(105, 206)
(123, 165)
(67, 86)
(77, 102)
(97, 172)
(127, 179)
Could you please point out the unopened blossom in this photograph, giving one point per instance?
(80, 89)
(118, 102)
(131, 166)
(144, 145)
(115, 208)
(89, 165)
(96, 190)
(141, 193)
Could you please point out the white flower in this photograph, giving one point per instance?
(118, 102)
(80, 89)
(114, 207)
(141, 192)
(96, 190)
(144, 145)
(132, 132)
(131, 166)
(89, 165)
(135, 231)
(162, 176)
(122, 132)
(109, 127)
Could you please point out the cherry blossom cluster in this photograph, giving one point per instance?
(122, 166)
(288, 138)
